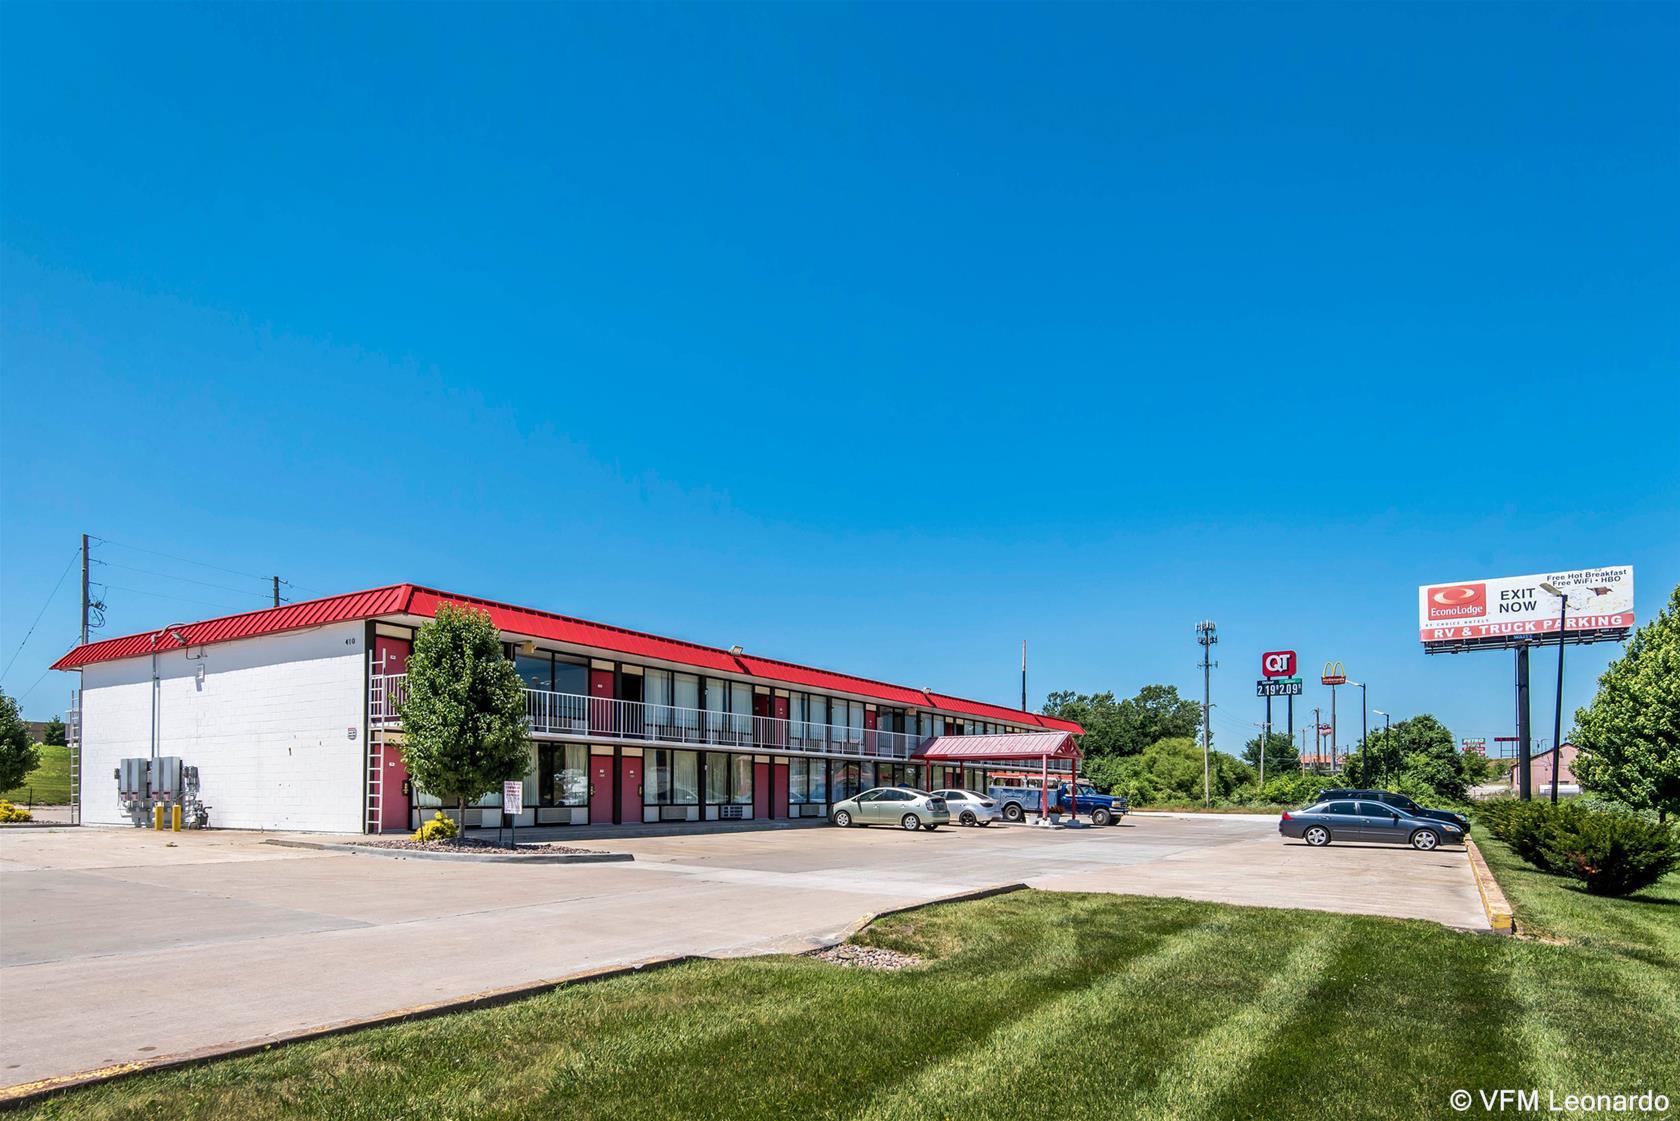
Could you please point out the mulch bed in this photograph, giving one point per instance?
(474, 845)
(866, 957)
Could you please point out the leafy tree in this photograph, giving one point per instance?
(464, 727)
(1281, 755)
(53, 736)
(1629, 736)
(1170, 770)
(18, 755)
(1127, 727)
(1417, 757)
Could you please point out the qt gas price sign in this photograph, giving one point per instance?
(1277, 663)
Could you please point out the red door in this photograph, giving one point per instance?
(762, 732)
(394, 801)
(779, 789)
(761, 790)
(630, 789)
(601, 700)
(779, 710)
(869, 738)
(600, 790)
(390, 655)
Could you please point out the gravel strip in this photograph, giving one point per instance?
(866, 957)
(475, 846)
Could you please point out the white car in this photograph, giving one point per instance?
(967, 807)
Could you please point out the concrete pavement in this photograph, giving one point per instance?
(118, 945)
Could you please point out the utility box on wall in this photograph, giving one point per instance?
(166, 779)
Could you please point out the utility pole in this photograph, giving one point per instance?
(1206, 635)
(1023, 675)
(1318, 735)
(277, 601)
(1265, 742)
(84, 589)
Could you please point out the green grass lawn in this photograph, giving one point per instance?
(1643, 927)
(49, 783)
(1069, 1005)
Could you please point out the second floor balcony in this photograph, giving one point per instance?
(559, 715)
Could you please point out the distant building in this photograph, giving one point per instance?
(1540, 770)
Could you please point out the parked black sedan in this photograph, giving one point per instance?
(1399, 802)
(1359, 820)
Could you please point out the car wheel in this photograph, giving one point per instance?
(910, 822)
(1013, 812)
(842, 818)
(1317, 836)
(1101, 816)
(968, 818)
(1425, 839)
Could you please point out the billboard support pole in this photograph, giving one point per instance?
(1525, 778)
(1332, 729)
(1290, 701)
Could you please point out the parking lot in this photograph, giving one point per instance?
(119, 945)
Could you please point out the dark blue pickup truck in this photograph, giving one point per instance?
(1017, 803)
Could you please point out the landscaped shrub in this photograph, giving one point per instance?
(1611, 853)
(1528, 827)
(440, 828)
(9, 812)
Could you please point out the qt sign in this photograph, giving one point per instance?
(1278, 663)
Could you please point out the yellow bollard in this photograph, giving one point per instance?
(175, 817)
(157, 817)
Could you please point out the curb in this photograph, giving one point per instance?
(469, 857)
(1498, 911)
(957, 897)
(26, 1093)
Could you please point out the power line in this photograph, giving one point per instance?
(183, 560)
(13, 659)
(185, 579)
(181, 599)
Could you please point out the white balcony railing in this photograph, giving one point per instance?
(569, 714)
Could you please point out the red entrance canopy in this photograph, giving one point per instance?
(1018, 745)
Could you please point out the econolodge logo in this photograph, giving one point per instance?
(1458, 601)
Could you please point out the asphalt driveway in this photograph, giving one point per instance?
(117, 945)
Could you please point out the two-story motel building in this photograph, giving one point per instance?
(291, 715)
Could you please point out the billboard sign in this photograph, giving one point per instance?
(1277, 663)
(1515, 610)
(1334, 674)
(1476, 744)
(1278, 687)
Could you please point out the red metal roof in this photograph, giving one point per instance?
(836, 682)
(983, 710)
(1016, 745)
(411, 599)
(269, 620)
(561, 628)
(1060, 724)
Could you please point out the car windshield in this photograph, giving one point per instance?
(1087, 790)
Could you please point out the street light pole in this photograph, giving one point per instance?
(1265, 742)
(1557, 720)
(1387, 746)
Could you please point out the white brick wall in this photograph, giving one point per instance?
(275, 729)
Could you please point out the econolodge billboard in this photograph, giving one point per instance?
(1512, 607)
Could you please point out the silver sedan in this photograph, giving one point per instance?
(968, 808)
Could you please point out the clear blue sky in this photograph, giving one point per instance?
(876, 337)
